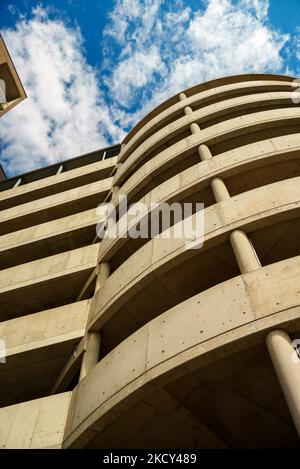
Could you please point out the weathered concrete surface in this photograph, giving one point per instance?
(59, 183)
(267, 153)
(210, 136)
(206, 116)
(35, 424)
(181, 331)
(225, 164)
(203, 93)
(45, 239)
(178, 341)
(54, 206)
(45, 283)
(249, 209)
(37, 347)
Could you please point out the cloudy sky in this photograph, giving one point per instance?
(93, 68)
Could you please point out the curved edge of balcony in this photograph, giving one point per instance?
(215, 134)
(212, 111)
(249, 211)
(198, 176)
(196, 332)
(195, 94)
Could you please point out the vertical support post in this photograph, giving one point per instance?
(244, 252)
(287, 369)
(220, 190)
(92, 351)
(103, 274)
(60, 169)
(17, 184)
(91, 354)
(204, 153)
(194, 128)
(114, 195)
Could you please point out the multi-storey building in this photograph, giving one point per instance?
(11, 88)
(126, 343)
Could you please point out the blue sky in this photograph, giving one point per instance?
(93, 68)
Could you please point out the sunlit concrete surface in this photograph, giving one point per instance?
(145, 343)
(12, 90)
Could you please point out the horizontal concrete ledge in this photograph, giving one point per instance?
(37, 346)
(37, 424)
(221, 87)
(55, 206)
(230, 316)
(210, 112)
(47, 282)
(221, 164)
(58, 183)
(199, 176)
(249, 211)
(46, 239)
(50, 327)
(216, 133)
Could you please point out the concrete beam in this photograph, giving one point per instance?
(47, 282)
(54, 206)
(57, 183)
(46, 239)
(37, 347)
(224, 89)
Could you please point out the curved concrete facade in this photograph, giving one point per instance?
(169, 346)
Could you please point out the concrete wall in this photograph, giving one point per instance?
(141, 341)
(34, 424)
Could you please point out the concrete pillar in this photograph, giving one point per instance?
(204, 153)
(188, 111)
(194, 128)
(287, 369)
(91, 354)
(18, 183)
(219, 189)
(115, 194)
(103, 274)
(244, 252)
(182, 97)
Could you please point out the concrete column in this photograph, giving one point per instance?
(18, 183)
(244, 252)
(120, 155)
(204, 153)
(287, 369)
(194, 128)
(115, 194)
(91, 354)
(219, 189)
(103, 274)
(117, 167)
(188, 111)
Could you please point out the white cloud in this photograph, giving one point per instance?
(133, 73)
(65, 114)
(152, 50)
(223, 38)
